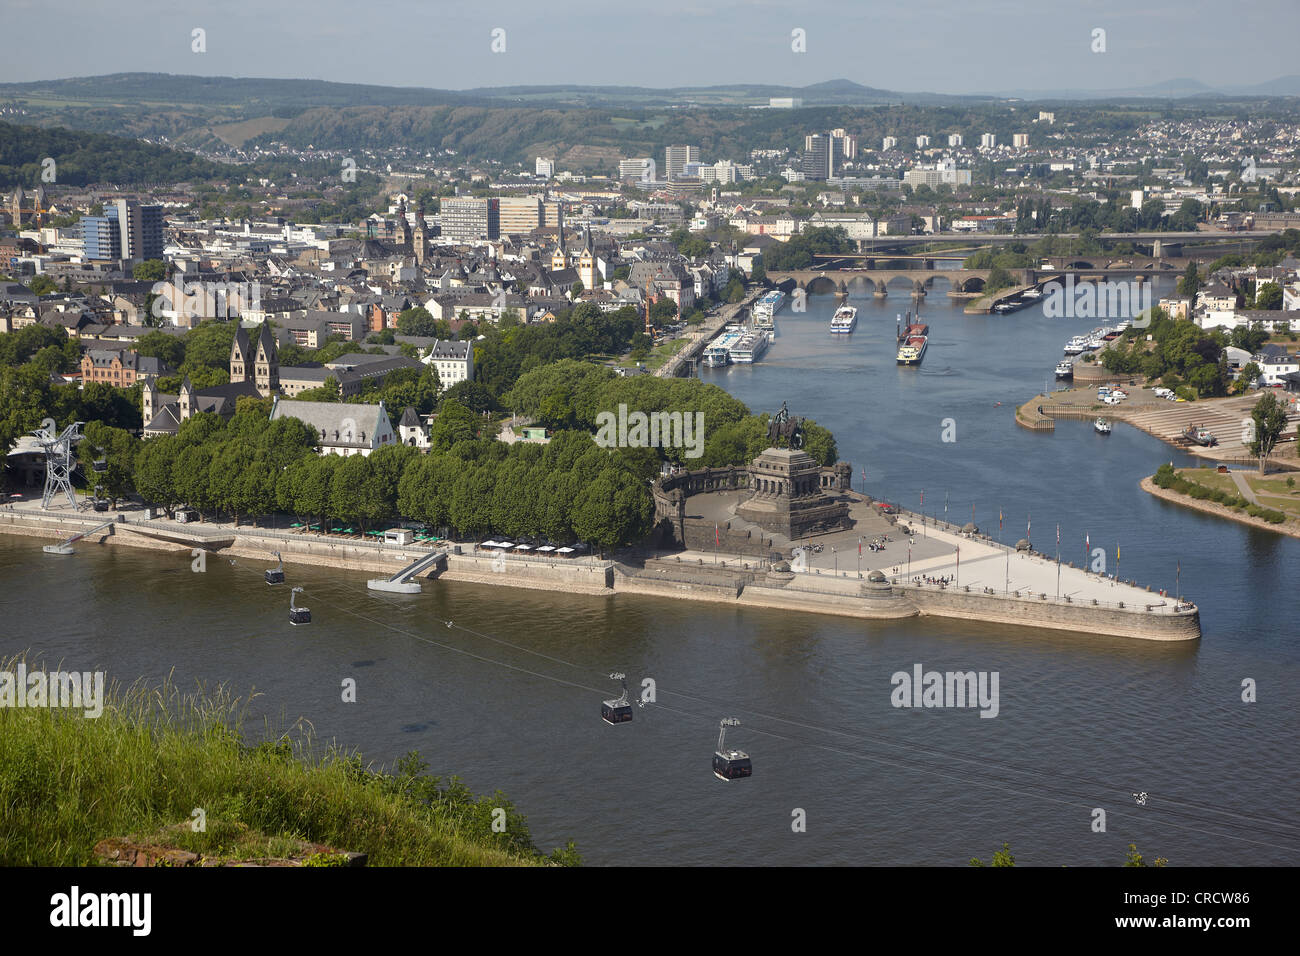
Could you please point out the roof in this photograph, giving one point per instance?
(335, 421)
(410, 419)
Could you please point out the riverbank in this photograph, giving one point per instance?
(157, 754)
(1080, 602)
(1289, 527)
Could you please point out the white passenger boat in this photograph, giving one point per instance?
(845, 319)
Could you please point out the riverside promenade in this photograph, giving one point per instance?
(882, 587)
(985, 580)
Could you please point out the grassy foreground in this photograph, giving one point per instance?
(155, 755)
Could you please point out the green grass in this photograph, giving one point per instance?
(155, 754)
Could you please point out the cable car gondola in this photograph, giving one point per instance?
(276, 575)
(100, 465)
(730, 764)
(99, 504)
(298, 615)
(617, 711)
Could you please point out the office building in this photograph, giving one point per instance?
(676, 158)
(520, 214)
(637, 170)
(469, 220)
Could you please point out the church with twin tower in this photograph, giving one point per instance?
(259, 364)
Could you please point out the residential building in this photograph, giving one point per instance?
(1020, 140)
(955, 140)
(101, 237)
(120, 367)
(545, 167)
(988, 140)
(818, 157)
(888, 143)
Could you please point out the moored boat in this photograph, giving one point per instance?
(1102, 426)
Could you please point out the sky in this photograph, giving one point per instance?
(943, 46)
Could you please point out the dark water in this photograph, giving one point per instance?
(1084, 721)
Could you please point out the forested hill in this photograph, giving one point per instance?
(81, 158)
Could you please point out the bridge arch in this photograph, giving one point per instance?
(820, 285)
(1079, 264)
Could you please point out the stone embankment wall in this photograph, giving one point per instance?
(1028, 612)
(730, 586)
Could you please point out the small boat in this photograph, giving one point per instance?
(1200, 436)
(1065, 370)
(844, 319)
(1102, 426)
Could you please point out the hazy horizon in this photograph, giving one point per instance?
(930, 46)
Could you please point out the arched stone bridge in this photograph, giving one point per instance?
(822, 281)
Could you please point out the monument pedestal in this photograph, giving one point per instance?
(788, 499)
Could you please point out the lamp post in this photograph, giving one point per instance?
(859, 556)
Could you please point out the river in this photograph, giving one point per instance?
(1084, 722)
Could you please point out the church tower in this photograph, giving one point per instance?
(149, 401)
(560, 258)
(587, 262)
(16, 206)
(420, 238)
(241, 356)
(266, 364)
(187, 399)
(404, 225)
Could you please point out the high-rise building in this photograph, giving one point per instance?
(888, 143)
(467, 220)
(1020, 140)
(955, 139)
(102, 237)
(923, 142)
(637, 170)
(676, 158)
(140, 229)
(846, 146)
(988, 140)
(818, 157)
(545, 167)
(553, 214)
(520, 214)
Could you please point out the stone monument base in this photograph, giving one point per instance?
(788, 499)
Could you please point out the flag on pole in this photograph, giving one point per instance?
(717, 538)
(864, 474)
(1058, 535)
(999, 519)
(859, 547)
(922, 497)
(1029, 523)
